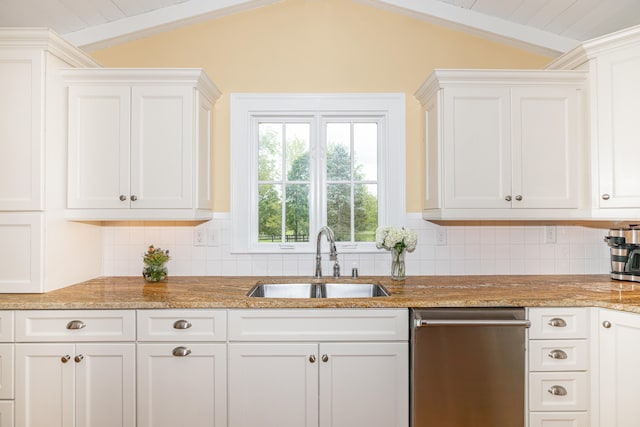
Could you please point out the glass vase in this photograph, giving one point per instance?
(398, 270)
(154, 273)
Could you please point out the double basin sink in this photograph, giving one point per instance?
(318, 290)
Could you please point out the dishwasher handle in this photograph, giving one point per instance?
(420, 322)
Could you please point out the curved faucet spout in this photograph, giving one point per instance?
(333, 253)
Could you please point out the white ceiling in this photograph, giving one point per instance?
(547, 26)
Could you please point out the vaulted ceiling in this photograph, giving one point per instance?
(548, 26)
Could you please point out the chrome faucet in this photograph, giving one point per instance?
(333, 253)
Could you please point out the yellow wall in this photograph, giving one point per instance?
(317, 46)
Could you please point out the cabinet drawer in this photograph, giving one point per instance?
(558, 355)
(560, 419)
(558, 323)
(558, 391)
(319, 325)
(6, 326)
(182, 325)
(75, 325)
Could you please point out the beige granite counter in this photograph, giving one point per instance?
(417, 291)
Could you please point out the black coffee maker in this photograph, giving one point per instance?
(625, 253)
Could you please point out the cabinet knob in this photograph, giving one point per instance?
(508, 198)
(181, 324)
(606, 324)
(312, 358)
(605, 196)
(181, 351)
(557, 322)
(557, 354)
(519, 198)
(325, 358)
(78, 358)
(122, 197)
(76, 324)
(65, 358)
(557, 390)
(134, 198)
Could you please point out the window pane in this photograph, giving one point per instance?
(365, 148)
(365, 212)
(269, 151)
(298, 140)
(269, 213)
(297, 213)
(338, 151)
(339, 211)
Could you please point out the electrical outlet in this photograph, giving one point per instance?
(441, 236)
(550, 234)
(199, 236)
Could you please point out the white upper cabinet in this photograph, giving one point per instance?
(503, 145)
(613, 63)
(139, 144)
(29, 84)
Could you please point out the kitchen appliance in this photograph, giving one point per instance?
(625, 253)
(468, 367)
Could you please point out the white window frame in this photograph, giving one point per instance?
(247, 107)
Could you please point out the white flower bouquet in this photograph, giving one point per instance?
(399, 239)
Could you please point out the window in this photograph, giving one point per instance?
(302, 161)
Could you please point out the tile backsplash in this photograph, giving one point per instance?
(466, 250)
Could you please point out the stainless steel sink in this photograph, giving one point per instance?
(353, 290)
(318, 290)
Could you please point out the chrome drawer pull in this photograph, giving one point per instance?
(606, 324)
(557, 390)
(557, 354)
(181, 351)
(557, 322)
(76, 324)
(181, 324)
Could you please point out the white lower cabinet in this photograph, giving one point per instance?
(82, 385)
(75, 368)
(307, 368)
(559, 371)
(182, 368)
(6, 369)
(619, 368)
(182, 385)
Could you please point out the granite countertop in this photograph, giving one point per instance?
(415, 291)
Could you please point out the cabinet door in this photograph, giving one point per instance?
(44, 385)
(162, 148)
(182, 385)
(6, 413)
(273, 385)
(99, 152)
(476, 149)
(105, 385)
(364, 385)
(619, 369)
(6, 371)
(21, 129)
(20, 245)
(618, 97)
(545, 130)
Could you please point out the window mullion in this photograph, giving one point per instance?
(283, 171)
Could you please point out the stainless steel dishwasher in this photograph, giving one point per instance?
(468, 367)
